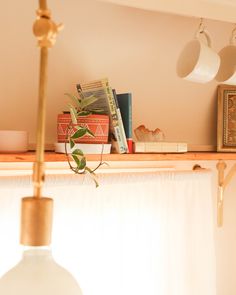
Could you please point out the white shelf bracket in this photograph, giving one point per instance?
(223, 181)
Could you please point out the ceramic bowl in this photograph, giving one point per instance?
(12, 141)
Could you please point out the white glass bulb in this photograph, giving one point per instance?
(38, 274)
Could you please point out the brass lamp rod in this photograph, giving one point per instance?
(45, 31)
(39, 171)
(43, 4)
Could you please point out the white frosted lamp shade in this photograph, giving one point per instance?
(38, 274)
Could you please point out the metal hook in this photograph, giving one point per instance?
(233, 35)
(201, 26)
(197, 167)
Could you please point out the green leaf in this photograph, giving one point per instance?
(84, 113)
(97, 111)
(78, 127)
(78, 152)
(87, 101)
(73, 114)
(74, 99)
(76, 159)
(72, 143)
(89, 132)
(82, 163)
(81, 95)
(80, 133)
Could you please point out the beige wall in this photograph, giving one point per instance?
(137, 50)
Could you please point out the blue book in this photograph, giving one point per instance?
(125, 105)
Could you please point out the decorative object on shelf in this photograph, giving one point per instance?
(198, 62)
(226, 119)
(144, 134)
(152, 141)
(37, 273)
(227, 70)
(13, 141)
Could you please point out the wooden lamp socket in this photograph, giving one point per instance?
(36, 221)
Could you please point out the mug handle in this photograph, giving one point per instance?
(206, 35)
(232, 40)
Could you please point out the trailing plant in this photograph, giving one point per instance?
(80, 106)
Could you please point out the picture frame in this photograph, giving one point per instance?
(226, 119)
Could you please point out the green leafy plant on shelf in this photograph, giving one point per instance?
(79, 107)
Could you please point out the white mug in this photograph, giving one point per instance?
(227, 70)
(198, 62)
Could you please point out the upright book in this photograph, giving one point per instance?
(106, 101)
(125, 105)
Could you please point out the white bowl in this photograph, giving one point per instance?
(12, 141)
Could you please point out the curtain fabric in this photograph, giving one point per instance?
(137, 233)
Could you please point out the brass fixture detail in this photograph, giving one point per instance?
(36, 211)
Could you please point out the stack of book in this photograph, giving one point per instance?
(160, 147)
(119, 109)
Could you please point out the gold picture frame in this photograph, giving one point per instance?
(226, 119)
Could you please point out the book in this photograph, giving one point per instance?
(125, 105)
(106, 101)
(160, 147)
(120, 121)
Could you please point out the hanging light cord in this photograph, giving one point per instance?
(45, 31)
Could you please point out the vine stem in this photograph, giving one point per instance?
(68, 139)
(74, 169)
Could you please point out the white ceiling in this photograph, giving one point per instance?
(223, 10)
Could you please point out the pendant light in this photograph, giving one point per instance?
(37, 273)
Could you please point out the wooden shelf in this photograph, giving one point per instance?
(55, 157)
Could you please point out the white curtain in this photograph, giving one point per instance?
(138, 233)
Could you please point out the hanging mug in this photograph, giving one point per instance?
(198, 62)
(227, 70)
